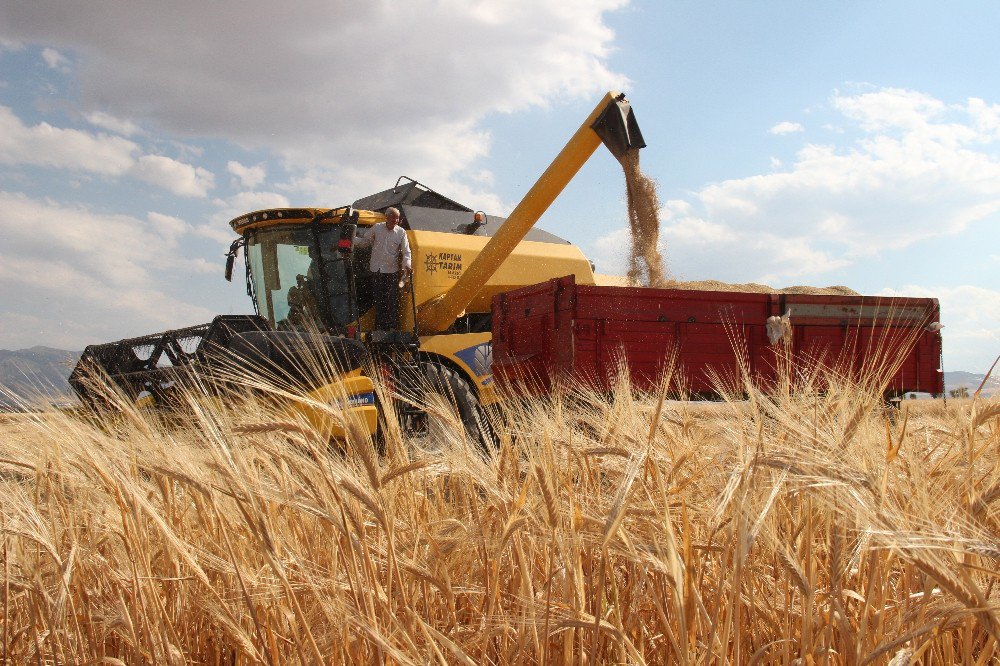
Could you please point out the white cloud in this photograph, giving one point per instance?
(177, 177)
(169, 226)
(65, 264)
(889, 108)
(986, 117)
(48, 146)
(187, 150)
(248, 177)
(610, 252)
(698, 231)
(217, 228)
(55, 60)
(112, 248)
(786, 127)
(112, 124)
(76, 150)
(920, 170)
(20, 330)
(432, 72)
(246, 201)
(347, 184)
(220, 233)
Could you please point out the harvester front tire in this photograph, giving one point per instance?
(449, 384)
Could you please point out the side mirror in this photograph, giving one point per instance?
(346, 242)
(234, 249)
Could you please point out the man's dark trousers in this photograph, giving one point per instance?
(386, 287)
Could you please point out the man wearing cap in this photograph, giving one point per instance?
(390, 257)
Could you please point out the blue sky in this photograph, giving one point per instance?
(794, 143)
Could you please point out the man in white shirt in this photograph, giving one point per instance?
(390, 257)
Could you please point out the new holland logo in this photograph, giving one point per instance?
(356, 400)
(361, 399)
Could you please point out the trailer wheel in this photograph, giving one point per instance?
(447, 389)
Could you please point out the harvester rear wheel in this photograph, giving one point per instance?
(447, 389)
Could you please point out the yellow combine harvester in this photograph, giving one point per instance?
(312, 292)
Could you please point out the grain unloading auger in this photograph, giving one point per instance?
(613, 123)
(311, 291)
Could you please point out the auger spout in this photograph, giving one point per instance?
(611, 122)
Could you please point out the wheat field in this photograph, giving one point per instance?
(796, 526)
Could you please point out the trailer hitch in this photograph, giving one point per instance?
(618, 128)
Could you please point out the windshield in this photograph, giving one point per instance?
(300, 277)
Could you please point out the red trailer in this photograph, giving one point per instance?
(586, 332)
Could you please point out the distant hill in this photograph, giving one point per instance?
(35, 375)
(971, 381)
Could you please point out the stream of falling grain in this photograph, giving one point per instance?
(645, 266)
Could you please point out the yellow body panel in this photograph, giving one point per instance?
(145, 401)
(354, 395)
(471, 353)
(440, 259)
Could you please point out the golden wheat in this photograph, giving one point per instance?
(801, 524)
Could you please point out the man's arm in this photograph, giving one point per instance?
(404, 251)
(365, 242)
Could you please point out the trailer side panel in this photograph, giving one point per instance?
(707, 340)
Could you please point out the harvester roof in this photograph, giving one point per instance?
(408, 194)
(277, 216)
(422, 210)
